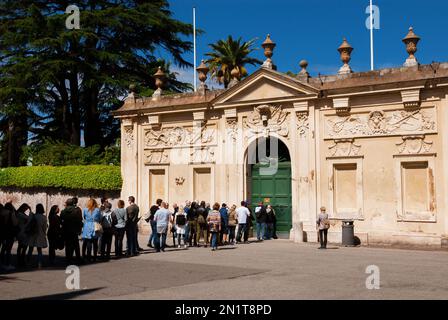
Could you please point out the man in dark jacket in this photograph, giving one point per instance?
(71, 219)
(249, 223)
(131, 229)
(261, 215)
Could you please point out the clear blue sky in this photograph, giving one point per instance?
(313, 30)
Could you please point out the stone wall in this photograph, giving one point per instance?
(51, 196)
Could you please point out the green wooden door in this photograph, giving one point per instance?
(274, 190)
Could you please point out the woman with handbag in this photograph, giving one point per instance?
(54, 234)
(91, 230)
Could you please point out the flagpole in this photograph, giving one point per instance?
(371, 36)
(194, 48)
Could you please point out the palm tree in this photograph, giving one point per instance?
(230, 54)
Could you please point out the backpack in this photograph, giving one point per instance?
(106, 223)
(181, 220)
(201, 220)
(114, 219)
(326, 223)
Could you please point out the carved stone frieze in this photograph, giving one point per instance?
(179, 136)
(381, 123)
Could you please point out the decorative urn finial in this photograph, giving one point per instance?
(268, 46)
(235, 73)
(345, 51)
(159, 77)
(303, 74)
(202, 71)
(411, 40)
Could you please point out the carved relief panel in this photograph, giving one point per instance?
(382, 123)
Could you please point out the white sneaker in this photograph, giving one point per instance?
(185, 246)
(178, 246)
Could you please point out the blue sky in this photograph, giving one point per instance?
(313, 30)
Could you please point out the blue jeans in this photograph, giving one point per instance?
(261, 230)
(214, 240)
(160, 245)
(241, 230)
(152, 237)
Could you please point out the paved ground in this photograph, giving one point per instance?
(276, 269)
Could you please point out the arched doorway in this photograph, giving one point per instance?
(268, 179)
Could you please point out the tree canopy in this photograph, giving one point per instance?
(61, 84)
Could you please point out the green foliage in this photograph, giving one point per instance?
(57, 153)
(96, 177)
(58, 83)
(229, 54)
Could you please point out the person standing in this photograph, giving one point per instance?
(323, 224)
(132, 212)
(152, 212)
(243, 215)
(186, 210)
(173, 226)
(180, 222)
(7, 236)
(92, 218)
(192, 217)
(232, 224)
(202, 227)
(249, 223)
(71, 220)
(37, 238)
(270, 218)
(223, 234)
(261, 216)
(162, 218)
(119, 218)
(54, 234)
(23, 216)
(214, 225)
(106, 237)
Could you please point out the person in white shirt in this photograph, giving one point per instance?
(242, 215)
(162, 219)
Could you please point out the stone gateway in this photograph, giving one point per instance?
(371, 147)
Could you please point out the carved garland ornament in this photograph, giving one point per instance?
(414, 145)
(266, 119)
(344, 148)
(303, 124)
(128, 136)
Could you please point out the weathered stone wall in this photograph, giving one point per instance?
(49, 196)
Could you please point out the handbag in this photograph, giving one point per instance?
(98, 228)
(326, 223)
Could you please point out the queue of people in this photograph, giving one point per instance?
(100, 226)
(216, 225)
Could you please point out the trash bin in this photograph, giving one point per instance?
(348, 233)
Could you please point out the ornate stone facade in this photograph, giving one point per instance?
(370, 147)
